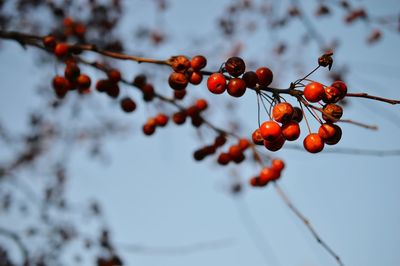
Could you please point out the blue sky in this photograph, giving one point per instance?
(155, 195)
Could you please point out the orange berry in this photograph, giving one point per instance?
(61, 49)
(277, 165)
(332, 112)
(49, 41)
(313, 143)
(282, 112)
(291, 130)
(201, 104)
(198, 62)
(332, 95)
(314, 92)
(83, 81)
(243, 144)
(268, 174)
(270, 130)
(161, 120)
(257, 138)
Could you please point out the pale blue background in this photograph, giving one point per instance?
(155, 195)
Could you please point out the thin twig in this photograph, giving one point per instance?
(307, 223)
(372, 97)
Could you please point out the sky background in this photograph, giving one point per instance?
(155, 195)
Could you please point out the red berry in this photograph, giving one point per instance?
(72, 71)
(257, 138)
(297, 114)
(236, 87)
(148, 129)
(177, 81)
(179, 117)
(148, 92)
(274, 145)
(179, 94)
(341, 86)
(61, 86)
(330, 133)
(113, 90)
(49, 41)
(220, 140)
(265, 76)
(180, 63)
(198, 62)
(313, 143)
(291, 130)
(216, 83)
(201, 104)
(235, 66)
(102, 85)
(332, 95)
(114, 75)
(195, 78)
(161, 120)
(282, 112)
(128, 105)
(268, 174)
(332, 112)
(250, 78)
(314, 92)
(61, 49)
(277, 165)
(83, 81)
(224, 158)
(270, 130)
(243, 144)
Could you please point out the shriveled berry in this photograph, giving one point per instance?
(216, 83)
(313, 143)
(178, 81)
(236, 87)
(282, 112)
(332, 95)
(265, 76)
(235, 66)
(332, 112)
(341, 86)
(128, 105)
(180, 63)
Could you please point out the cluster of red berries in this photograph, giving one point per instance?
(73, 79)
(268, 174)
(235, 152)
(186, 71)
(179, 118)
(140, 81)
(152, 123)
(238, 80)
(110, 84)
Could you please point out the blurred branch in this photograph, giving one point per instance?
(15, 237)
